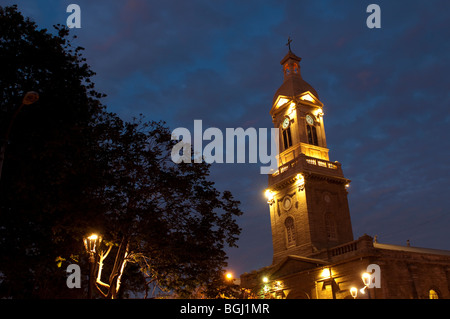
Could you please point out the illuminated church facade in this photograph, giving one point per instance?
(314, 253)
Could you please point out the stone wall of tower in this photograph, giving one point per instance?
(320, 213)
(329, 215)
(280, 210)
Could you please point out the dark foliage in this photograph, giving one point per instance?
(72, 168)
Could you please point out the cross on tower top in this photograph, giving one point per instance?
(289, 43)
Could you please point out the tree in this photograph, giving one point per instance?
(47, 196)
(166, 217)
(72, 167)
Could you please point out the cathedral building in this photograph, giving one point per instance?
(315, 255)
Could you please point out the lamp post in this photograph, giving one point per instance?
(366, 277)
(354, 292)
(29, 98)
(366, 280)
(91, 243)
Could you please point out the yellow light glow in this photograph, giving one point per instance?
(93, 237)
(366, 278)
(320, 112)
(300, 181)
(265, 280)
(270, 197)
(307, 97)
(229, 276)
(278, 285)
(90, 243)
(291, 107)
(353, 292)
(282, 101)
(325, 273)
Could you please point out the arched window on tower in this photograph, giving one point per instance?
(286, 129)
(287, 138)
(286, 69)
(312, 135)
(290, 231)
(295, 68)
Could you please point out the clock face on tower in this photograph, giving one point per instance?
(309, 119)
(285, 123)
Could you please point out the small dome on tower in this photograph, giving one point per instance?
(293, 84)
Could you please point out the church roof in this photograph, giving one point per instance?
(293, 86)
(412, 249)
(293, 263)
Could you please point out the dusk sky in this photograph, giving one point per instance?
(386, 94)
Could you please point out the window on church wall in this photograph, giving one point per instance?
(295, 68)
(433, 294)
(312, 135)
(290, 231)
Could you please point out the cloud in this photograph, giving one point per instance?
(385, 93)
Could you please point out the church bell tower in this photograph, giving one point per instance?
(307, 194)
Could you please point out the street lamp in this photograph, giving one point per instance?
(354, 292)
(366, 278)
(29, 98)
(270, 197)
(91, 243)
